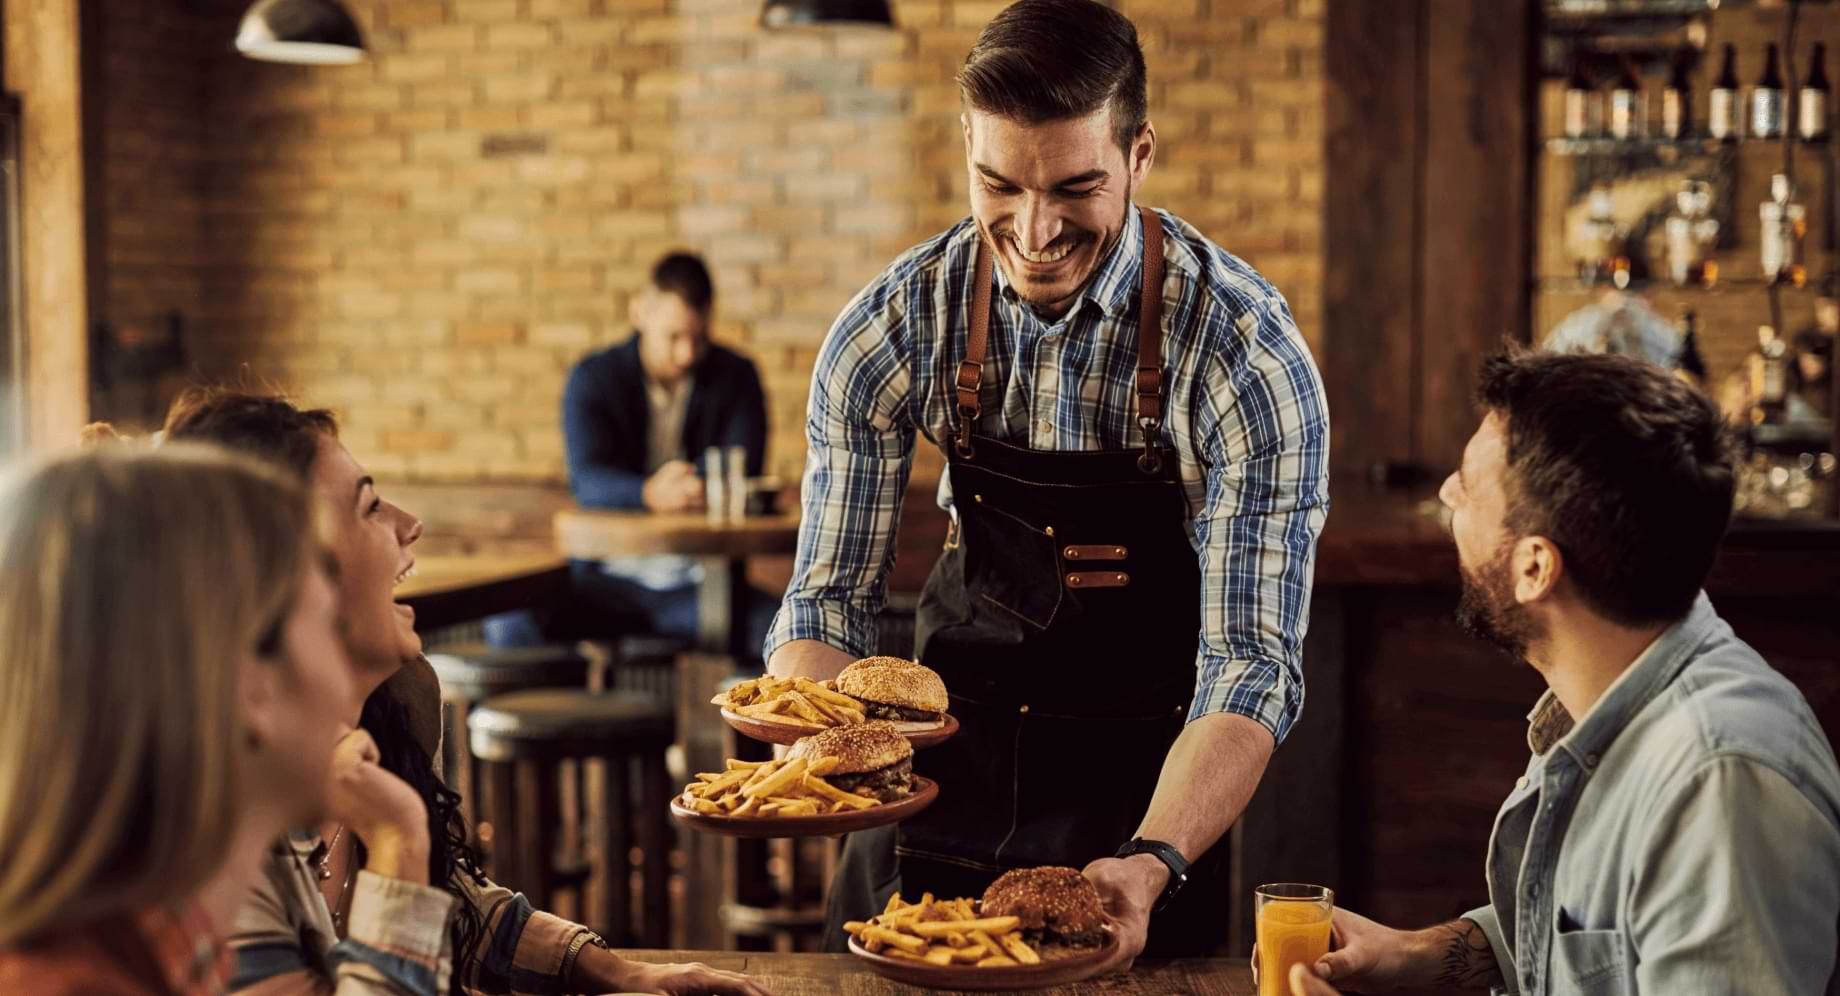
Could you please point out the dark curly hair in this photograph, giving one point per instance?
(272, 428)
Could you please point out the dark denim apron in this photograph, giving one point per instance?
(1064, 617)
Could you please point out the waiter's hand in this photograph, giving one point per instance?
(1129, 888)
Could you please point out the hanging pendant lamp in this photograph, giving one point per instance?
(304, 32)
(801, 13)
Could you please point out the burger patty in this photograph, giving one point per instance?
(1086, 939)
(878, 710)
(883, 784)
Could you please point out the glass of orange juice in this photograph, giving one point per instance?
(1293, 927)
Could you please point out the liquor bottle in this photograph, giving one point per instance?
(1784, 222)
(1767, 99)
(1768, 377)
(1626, 105)
(1677, 103)
(1689, 363)
(1691, 234)
(1581, 113)
(1811, 112)
(1722, 102)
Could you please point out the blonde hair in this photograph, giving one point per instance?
(133, 584)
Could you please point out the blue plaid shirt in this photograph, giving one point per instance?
(1244, 410)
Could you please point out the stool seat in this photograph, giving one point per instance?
(566, 722)
(473, 671)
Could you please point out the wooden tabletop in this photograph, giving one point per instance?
(843, 975)
(447, 590)
(594, 534)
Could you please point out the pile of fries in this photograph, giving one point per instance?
(800, 702)
(762, 789)
(943, 932)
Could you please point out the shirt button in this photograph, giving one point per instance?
(1522, 783)
(1044, 425)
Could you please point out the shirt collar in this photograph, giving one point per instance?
(187, 948)
(1114, 284)
(1549, 725)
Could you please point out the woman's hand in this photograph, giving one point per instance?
(381, 809)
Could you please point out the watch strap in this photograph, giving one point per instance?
(1169, 856)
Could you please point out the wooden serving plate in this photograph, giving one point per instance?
(823, 825)
(786, 733)
(1051, 972)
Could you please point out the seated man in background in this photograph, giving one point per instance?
(1678, 827)
(635, 419)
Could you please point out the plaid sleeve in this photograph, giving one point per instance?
(860, 437)
(398, 941)
(524, 952)
(1265, 435)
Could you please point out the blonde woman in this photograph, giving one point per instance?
(164, 712)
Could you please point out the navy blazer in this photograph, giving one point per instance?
(605, 420)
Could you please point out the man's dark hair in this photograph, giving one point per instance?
(1050, 60)
(684, 274)
(1623, 466)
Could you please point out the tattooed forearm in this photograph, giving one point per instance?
(1466, 959)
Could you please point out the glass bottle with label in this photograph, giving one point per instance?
(1692, 233)
(1582, 111)
(1767, 99)
(1768, 377)
(1722, 101)
(1784, 222)
(1811, 109)
(1677, 102)
(1626, 105)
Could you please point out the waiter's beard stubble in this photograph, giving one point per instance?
(1029, 290)
(1488, 611)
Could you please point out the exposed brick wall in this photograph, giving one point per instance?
(154, 61)
(428, 241)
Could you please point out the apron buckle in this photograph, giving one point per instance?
(1152, 461)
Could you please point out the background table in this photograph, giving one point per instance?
(721, 547)
(842, 975)
(449, 590)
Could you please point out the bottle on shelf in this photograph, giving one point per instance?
(1582, 111)
(1691, 233)
(1626, 104)
(1767, 367)
(1722, 101)
(1811, 109)
(1677, 102)
(1689, 365)
(1785, 222)
(1604, 260)
(1767, 99)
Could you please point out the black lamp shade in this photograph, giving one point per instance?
(792, 13)
(307, 32)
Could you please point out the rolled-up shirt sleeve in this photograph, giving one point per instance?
(860, 443)
(1263, 431)
(1485, 918)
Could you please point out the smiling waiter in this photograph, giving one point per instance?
(1137, 452)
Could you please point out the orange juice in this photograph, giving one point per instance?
(1290, 931)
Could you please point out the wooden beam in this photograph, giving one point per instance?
(43, 60)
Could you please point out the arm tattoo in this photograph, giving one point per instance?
(1465, 957)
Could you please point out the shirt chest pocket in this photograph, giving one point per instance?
(1590, 963)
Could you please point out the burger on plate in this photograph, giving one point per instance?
(907, 694)
(1059, 908)
(873, 759)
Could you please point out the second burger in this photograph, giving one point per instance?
(873, 759)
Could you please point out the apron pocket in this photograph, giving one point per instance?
(1084, 784)
(1011, 565)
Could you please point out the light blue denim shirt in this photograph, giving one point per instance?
(1683, 839)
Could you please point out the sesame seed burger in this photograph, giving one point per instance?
(907, 694)
(873, 759)
(1058, 907)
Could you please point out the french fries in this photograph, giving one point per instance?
(800, 702)
(943, 932)
(772, 789)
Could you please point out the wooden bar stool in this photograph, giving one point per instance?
(523, 738)
(470, 673)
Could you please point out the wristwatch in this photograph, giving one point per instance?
(1168, 855)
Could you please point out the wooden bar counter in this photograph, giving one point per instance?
(842, 975)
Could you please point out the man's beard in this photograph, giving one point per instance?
(1487, 610)
(1041, 298)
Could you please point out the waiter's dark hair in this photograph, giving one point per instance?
(1049, 60)
(1623, 466)
(684, 274)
